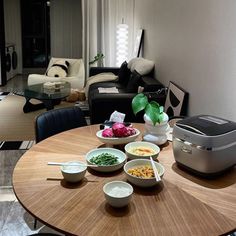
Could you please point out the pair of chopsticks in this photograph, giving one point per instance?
(157, 176)
(69, 164)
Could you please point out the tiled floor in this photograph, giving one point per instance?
(14, 220)
(18, 82)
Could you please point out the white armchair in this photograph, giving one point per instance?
(76, 74)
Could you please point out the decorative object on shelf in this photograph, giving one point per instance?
(156, 120)
(138, 43)
(98, 58)
(176, 101)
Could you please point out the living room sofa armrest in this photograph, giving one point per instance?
(97, 70)
(76, 82)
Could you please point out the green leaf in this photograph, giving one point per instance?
(139, 103)
(161, 108)
(155, 104)
(152, 110)
(155, 112)
(161, 117)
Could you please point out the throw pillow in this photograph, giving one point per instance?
(59, 69)
(124, 73)
(141, 65)
(134, 82)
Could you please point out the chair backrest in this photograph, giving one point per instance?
(55, 121)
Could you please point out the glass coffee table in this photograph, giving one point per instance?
(48, 97)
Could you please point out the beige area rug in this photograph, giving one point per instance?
(15, 125)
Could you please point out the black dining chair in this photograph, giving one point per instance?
(56, 121)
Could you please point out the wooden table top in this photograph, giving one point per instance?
(182, 204)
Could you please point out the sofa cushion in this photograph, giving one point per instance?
(134, 82)
(58, 69)
(141, 65)
(124, 73)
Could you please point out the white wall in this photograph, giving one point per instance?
(66, 28)
(193, 43)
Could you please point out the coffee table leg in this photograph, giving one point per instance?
(48, 104)
(28, 107)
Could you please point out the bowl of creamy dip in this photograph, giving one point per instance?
(118, 193)
(73, 171)
(141, 150)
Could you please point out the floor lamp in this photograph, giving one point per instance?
(121, 43)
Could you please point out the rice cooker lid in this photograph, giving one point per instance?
(207, 125)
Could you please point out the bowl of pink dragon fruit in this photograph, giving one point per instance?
(118, 134)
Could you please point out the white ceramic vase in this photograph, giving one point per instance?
(156, 133)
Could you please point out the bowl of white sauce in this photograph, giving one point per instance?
(73, 171)
(118, 193)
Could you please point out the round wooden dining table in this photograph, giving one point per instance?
(182, 204)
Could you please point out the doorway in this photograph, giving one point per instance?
(35, 27)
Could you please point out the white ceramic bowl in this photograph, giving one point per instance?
(108, 168)
(73, 173)
(117, 141)
(118, 193)
(140, 181)
(132, 145)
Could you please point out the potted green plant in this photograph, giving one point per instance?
(152, 109)
(98, 58)
(156, 120)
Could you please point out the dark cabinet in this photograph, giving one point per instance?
(35, 18)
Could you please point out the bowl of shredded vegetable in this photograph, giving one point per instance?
(106, 159)
(140, 173)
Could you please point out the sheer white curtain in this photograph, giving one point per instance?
(100, 20)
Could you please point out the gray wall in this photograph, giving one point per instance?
(193, 43)
(13, 28)
(66, 28)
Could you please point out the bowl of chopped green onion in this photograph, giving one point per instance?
(106, 159)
